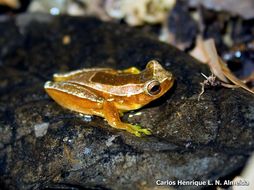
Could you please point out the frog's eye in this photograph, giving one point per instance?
(153, 87)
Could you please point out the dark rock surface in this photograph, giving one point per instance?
(192, 140)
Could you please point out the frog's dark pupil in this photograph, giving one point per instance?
(155, 88)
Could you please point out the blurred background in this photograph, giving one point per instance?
(179, 22)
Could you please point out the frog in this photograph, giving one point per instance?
(109, 93)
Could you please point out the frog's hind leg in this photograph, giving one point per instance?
(75, 97)
(112, 116)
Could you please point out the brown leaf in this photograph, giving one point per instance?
(213, 62)
(199, 51)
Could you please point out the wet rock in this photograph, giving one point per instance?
(192, 140)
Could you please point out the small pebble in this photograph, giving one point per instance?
(110, 140)
(87, 151)
(41, 129)
(66, 40)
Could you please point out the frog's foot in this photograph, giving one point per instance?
(138, 131)
(112, 116)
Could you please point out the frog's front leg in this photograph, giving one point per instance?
(131, 70)
(111, 114)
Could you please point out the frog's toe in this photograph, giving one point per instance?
(146, 131)
(136, 127)
(138, 131)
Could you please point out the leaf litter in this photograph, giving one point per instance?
(206, 52)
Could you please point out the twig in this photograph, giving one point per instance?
(209, 81)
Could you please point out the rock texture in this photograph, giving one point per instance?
(43, 145)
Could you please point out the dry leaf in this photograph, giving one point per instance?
(199, 51)
(213, 62)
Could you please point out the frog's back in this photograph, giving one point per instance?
(114, 83)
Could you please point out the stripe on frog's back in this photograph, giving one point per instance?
(109, 90)
(121, 78)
